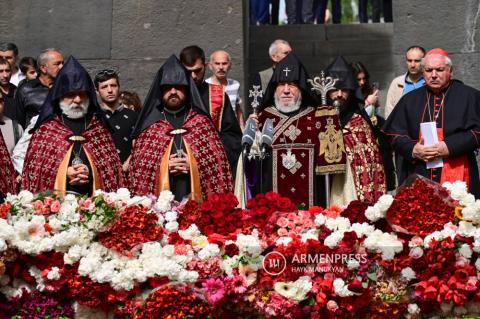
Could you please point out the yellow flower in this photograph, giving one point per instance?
(199, 241)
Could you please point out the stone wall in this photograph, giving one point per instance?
(452, 25)
(132, 36)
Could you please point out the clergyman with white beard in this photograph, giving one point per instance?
(71, 148)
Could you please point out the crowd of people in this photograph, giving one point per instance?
(317, 11)
(62, 131)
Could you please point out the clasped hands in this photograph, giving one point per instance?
(78, 174)
(429, 153)
(179, 165)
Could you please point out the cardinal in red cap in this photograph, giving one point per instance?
(438, 51)
(453, 110)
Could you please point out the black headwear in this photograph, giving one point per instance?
(172, 72)
(290, 69)
(71, 78)
(345, 74)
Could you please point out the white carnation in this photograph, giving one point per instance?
(164, 201)
(384, 202)
(54, 274)
(341, 289)
(211, 250)
(248, 244)
(190, 232)
(171, 226)
(171, 216)
(339, 223)
(465, 251)
(363, 229)
(353, 264)
(320, 220)
(333, 239)
(123, 194)
(408, 274)
(413, 309)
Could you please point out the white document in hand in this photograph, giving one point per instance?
(430, 137)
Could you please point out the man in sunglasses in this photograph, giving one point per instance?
(71, 148)
(121, 119)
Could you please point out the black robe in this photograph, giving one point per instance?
(459, 119)
(230, 133)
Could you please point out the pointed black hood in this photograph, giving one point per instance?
(72, 77)
(290, 69)
(345, 74)
(172, 72)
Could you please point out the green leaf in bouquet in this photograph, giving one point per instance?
(372, 276)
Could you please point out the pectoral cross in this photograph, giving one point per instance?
(286, 70)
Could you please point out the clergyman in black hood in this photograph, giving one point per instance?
(290, 103)
(71, 148)
(176, 145)
(364, 178)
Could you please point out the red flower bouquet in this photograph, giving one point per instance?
(218, 214)
(133, 226)
(173, 302)
(421, 208)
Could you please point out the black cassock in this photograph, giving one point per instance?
(230, 132)
(456, 111)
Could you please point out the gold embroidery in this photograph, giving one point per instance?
(331, 143)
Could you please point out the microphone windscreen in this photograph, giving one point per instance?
(267, 132)
(249, 134)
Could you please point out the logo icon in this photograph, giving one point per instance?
(274, 263)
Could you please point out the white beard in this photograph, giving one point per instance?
(74, 110)
(290, 107)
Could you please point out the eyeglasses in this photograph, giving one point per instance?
(106, 72)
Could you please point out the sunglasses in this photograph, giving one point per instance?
(106, 72)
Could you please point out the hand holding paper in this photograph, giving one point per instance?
(430, 137)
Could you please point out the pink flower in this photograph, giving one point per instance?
(291, 216)
(214, 290)
(416, 252)
(332, 305)
(181, 249)
(38, 206)
(298, 220)
(282, 222)
(55, 207)
(416, 241)
(291, 225)
(87, 204)
(48, 201)
(238, 284)
(307, 223)
(282, 232)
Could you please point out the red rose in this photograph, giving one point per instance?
(461, 275)
(284, 204)
(272, 196)
(206, 206)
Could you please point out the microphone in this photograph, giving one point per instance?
(248, 136)
(267, 135)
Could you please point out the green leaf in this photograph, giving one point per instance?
(372, 276)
